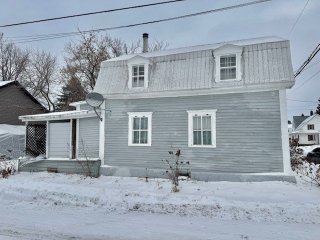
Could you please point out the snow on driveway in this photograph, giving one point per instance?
(57, 206)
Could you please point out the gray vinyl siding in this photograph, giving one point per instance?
(88, 137)
(248, 133)
(59, 139)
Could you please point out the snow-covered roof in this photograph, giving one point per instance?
(3, 83)
(264, 62)
(58, 115)
(196, 48)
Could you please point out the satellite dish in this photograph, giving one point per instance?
(94, 99)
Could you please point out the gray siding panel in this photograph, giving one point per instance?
(88, 137)
(248, 133)
(59, 140)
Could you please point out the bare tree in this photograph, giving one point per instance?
(40, 78)
(13, 60)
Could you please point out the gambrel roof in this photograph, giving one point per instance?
(264, 61)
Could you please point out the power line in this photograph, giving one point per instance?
(309, 79)
(43, 37)
(297, 20)
(89, 13)
(312, 55)
(296, 100)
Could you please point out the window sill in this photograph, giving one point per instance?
(228, 80)
(202, 146)
(139, 145)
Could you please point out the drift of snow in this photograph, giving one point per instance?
(291, 209)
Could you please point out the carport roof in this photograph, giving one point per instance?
(58, 116)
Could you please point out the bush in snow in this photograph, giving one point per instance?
(7, 168)
(309, 172)
(174, 168)
(296, 155)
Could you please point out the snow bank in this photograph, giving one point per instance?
(264, 201)
(12, 140)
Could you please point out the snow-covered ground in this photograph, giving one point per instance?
(57, 206)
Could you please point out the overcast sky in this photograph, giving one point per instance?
(274, 18)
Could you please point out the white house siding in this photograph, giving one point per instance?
(262, 63)
(248, 133)
(88, 146)
(59, 139)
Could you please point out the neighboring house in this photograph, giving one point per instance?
(308, 131)
(223, 105)
(15, 101)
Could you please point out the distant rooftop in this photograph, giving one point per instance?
(242, 42)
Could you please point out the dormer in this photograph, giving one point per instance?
(228, 63)
(138, 68)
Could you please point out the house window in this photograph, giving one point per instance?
(137, 76)
(139, 133)
(202, 128)
(310, 126)
(311, 138)
(228, 67)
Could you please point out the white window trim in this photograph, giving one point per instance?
(138, 61)
(130, 123)
(211, 112)
(224, 52)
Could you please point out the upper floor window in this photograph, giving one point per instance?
(202, 128)
(138, 67)
(228, 67)
(310, 126)
(228, 63)
(137, 76)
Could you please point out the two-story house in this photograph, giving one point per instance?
(308, 131)
(222, 104)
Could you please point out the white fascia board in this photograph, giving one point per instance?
(63, 116)
(75, 104)
(201, 92)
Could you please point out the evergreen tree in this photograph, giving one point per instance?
(318, 107)
(72, 91)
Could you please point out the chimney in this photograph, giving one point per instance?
(311, 113)
(145, 42)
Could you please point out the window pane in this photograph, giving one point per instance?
(207, 138)
(135, 82)
(135, 70)
(228, 61)
(135, 136)
(136, 121)
(141, 70)
(206, 123)
(144, 137)
(141, 82)
(227, 73)
(144, 123)
(196, 137)
(196, 123)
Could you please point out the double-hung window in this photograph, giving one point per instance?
(138, 76)
(202, 128)
(228, 67)
(311, 138)
(310, 126)
(139, 133)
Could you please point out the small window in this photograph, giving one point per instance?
(138, 76)
(228, 67)
(202, 130)
(310, 126)
(139, 129)
(310, 138)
